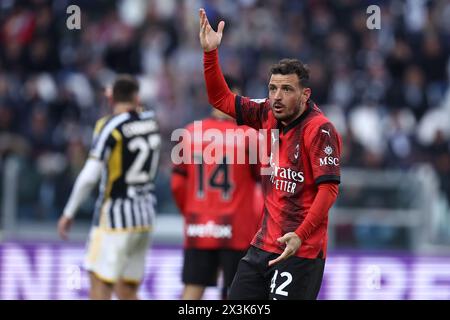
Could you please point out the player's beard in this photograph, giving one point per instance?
(285, 114)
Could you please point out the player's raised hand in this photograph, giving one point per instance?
(209, 39)
(64, 225)
(292, 242)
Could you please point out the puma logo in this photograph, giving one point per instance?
(327, 132)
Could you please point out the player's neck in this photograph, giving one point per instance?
(123, 107)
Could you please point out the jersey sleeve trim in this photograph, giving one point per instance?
(328, 178)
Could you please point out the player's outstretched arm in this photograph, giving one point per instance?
(86, 180)
(209, 39)
(219, 95)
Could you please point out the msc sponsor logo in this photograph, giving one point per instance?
(329, 161)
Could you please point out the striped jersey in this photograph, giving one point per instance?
(129, 146)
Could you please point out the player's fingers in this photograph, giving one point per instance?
(283, 239)
(62, 233)
(201, 14)
(274, 261)
(286, 253)
(63, 228)
(202, 26)
(220, 27)
(202, 21)
(206, 26)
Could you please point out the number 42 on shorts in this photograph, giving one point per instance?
(279, 290)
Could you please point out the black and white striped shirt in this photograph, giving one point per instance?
(129, 146)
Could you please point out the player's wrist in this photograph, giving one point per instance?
(299, 233)
(211, 52)
(209, 49)
(68, 215)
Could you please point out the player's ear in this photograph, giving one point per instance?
(306, 94)
(108, 94)
(137, 99)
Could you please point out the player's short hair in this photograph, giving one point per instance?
(291, 66)
(124, 88)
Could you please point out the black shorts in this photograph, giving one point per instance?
(201, 266)
(292, 279)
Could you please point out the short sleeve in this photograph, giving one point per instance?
(325, 154)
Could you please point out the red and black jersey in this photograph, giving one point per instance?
(309, 150)
(219, 201)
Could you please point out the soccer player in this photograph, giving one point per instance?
(124, 155)
(287, 257)
(221, 204)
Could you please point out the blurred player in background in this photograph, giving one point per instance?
(287, 257)
(125, 156)
(221, 204)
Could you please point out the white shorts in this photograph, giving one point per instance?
(113, 256)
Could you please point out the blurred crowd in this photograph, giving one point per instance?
(386, 90)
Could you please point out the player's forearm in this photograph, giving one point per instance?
(86, 180)
(219, 95)
(325, 198)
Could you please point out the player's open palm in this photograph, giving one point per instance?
(209, 39)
